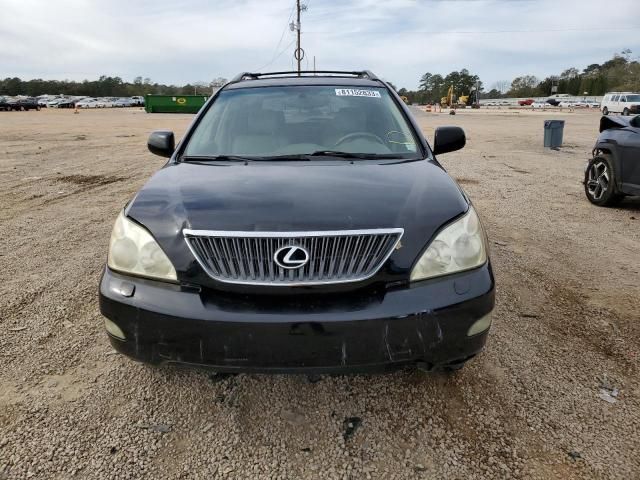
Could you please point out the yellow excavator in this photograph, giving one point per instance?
(450, 99)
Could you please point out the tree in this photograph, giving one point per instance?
(425, 81)
(569, 73)
(431, 86)
(104, 86)
(493, 93)
(524, 86)
(502, 86)
(592, 69)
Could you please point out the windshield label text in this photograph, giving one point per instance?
(354, 92)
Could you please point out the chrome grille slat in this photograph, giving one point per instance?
(334, 257)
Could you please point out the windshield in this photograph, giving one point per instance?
(301, 120)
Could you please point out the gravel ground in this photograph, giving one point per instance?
(566, 331)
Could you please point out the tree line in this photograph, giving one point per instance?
(620, 73)
(105, 86)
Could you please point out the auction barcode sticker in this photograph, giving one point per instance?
(355, 92)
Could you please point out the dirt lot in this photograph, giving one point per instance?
(567, 325)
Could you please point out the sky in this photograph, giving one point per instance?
(186, 41)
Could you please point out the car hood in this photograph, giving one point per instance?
(417, 196)
(607, 123)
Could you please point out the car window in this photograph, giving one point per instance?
(623, 98)
(633, 98)
(615, 98)
(299, 120)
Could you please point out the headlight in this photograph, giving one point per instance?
(460, 246)
(133, 250)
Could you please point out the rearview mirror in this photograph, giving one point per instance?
(448, 139)
(161, 143)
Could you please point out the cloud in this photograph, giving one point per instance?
(190, 40)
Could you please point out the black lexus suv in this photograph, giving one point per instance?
(303, 224)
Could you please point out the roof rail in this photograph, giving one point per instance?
(305, 73)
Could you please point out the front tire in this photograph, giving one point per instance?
(625, 112)
(605, 111)
(599, 182)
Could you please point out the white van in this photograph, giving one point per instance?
(620, 102)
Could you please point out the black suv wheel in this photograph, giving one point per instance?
(599, 182)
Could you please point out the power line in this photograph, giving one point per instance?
(285, 28)
(276, 55)
(473, 32)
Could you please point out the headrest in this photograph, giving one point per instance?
(264, 122)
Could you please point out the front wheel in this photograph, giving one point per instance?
(625, 112)
(605, 111)
(599, 182)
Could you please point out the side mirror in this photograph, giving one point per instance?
(448, 139)
(161, 143)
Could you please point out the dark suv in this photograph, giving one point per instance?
(28, 103)
(302, 224)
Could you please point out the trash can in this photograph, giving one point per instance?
(553, 130)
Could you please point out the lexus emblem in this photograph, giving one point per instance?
(291, 257)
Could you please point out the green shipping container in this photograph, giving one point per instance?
(174, 103)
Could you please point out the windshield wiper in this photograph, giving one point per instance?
(286, 158)
(213, 158)
(297, 157)
(364, 156)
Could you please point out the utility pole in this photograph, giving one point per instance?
(298, 56)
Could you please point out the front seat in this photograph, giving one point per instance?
(263, 134)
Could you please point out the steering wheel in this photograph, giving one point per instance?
(351, 136)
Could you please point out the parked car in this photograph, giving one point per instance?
(104, 103)
(567, 104)
(553, 102)
(620, 102)
(66, 103)
(54, 102)
(614, 170)
(123, 102)
(87, 103)
(137, 101)
(525, 103)
(540, 105)
(303, 224)
(4, 104)
(22, 104)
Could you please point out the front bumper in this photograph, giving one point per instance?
(425, 324)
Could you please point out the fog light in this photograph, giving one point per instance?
(113, 329)
(480, 326)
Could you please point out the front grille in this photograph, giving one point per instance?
(333, 257)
